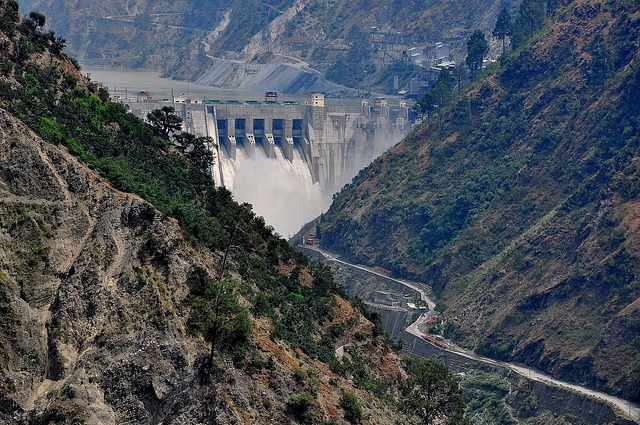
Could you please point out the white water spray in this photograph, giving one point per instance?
(279, 190)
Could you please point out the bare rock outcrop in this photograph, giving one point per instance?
(92, 294)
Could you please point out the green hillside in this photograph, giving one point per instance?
(518, 202)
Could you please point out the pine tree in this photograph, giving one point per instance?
(164, 121)
(37, 20)
(504, 27)
(431, 393)
(217, 313)
(530, 19)
(477, 48)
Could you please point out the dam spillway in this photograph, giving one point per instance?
(335, 142)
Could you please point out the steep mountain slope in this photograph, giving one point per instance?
(96, 310)
(331, 36)
(519, 203)
(183, 307)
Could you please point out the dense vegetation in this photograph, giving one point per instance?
(515, 200)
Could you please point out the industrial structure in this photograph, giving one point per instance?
(335, 141)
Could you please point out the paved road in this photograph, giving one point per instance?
(418, 287)
(631, 410)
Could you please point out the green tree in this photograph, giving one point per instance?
(459, 73)
(196, 149)
(440, 94)
(164, 121)
(21, 49)
(503, 28)
(57, 43)
(299, 405)
(36, 20)
(477, 48)
(352, 409)
(218, 315)
(530, 18)
(432, 394)
(532, 15)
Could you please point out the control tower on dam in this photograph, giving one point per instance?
(334, 141)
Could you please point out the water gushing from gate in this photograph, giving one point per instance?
(281, 191)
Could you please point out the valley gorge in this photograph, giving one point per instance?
(514, 199)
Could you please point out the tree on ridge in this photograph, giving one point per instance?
(164, 121)
(504, 27)
(477, 48)
(432, 394)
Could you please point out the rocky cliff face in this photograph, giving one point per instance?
(94, 311)
(98, 314)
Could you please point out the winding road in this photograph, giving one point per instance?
(630, 410)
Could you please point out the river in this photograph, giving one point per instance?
(280, 190)
(128, 81)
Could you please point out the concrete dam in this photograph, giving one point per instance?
(335, 142)
(287, 159)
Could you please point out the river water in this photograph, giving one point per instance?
(279, 190)
(129, 81)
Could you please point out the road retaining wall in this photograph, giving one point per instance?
(575, 406)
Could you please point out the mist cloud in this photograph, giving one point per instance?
(280, 190)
